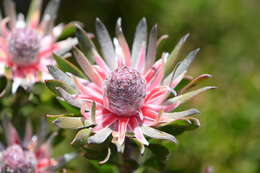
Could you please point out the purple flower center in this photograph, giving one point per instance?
(125, 91)
(17, 160)
(24, 45)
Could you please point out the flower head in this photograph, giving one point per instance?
(31, 155)
(26, 46)
(132, 92)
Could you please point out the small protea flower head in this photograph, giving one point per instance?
(127, 93)
(17, 160)
(26, 46)
(31, 155)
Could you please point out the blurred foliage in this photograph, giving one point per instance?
(227, 31)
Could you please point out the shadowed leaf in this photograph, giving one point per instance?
(67, 66)
(169, 66)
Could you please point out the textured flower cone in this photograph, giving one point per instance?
(125, 91)
(31, 155)
(132, 92)
(26, 46)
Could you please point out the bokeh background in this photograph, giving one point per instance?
(227, 31)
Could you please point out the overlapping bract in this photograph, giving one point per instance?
(32, 154)
(26, 45)
(89, 93)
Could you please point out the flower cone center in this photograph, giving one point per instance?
(125, 91)
(24, 45)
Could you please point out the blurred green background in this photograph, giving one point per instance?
(227, 31)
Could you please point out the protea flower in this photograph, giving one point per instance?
(26, 45)
(127, 93)
(32, 155)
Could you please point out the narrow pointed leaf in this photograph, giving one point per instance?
(85, 43)
(69, 122)
(157, 134)
(67, 66)
(139, 39)
(184, 97)
(61, 76)
(69, 98)
(184, 65)
(183, 114)
(169, 66)
(100, 136)
(151, 50)
(105, 43)
(54, 84)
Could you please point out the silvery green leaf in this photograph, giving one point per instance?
(169, 66)
(100, 136)
(106, 44)
(69, 98)
(85, 43)
(184, 65)
(182, 114)
(61, 76)
(69, 122)
(157, 134)
(184, 97)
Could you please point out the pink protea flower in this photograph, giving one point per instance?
(26, 45)
(131, 94)
(31, 155)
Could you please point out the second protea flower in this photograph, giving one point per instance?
(30, 155)
(127, 94)
(26, 45)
